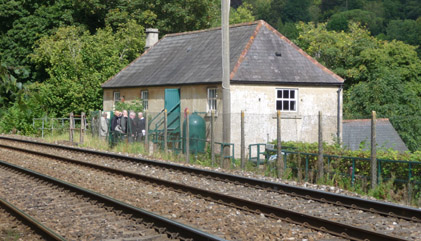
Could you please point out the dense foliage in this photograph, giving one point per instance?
(55, 54)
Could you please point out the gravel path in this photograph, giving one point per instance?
(227, 222)
(388, 225)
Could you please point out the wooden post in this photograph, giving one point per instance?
(82, 128)
(243, 148)
(165, 131)
(52, 126)
(320, 158)
(146, 132)
(71, 127)
(373, 162)
(212, 137)
(187, 138)
(98, 124)
(279, 164)
(42, 130)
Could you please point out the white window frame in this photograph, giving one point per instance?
(287, 99)
(145, 99)
(114, 96)
(214, 99)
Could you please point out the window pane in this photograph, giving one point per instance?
(292, 94)
(292, 105)
(286, 105)
(279, 95)
(286, 94)
(278, 105)
(144, 95)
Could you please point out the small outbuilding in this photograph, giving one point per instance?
(268, 73)
(357, 135)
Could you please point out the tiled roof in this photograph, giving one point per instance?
(258, 54)
(358, 131)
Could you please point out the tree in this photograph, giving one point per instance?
(340, 21)
(338, 51)
(261, 9)
(379, 75)
(78, 63)
(9, 86)
(244, 13)
(408, 31)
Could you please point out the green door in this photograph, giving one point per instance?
(172, 105)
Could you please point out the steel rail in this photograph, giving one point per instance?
(172, 228)
(320, 224)
(34, 224)
(386, 209)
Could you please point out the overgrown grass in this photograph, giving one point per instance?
(334, 176)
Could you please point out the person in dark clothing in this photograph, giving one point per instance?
(115, 128)
(115, 120)
(140, 127)
(132, 127)
(124, 121)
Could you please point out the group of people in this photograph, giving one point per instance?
(124, 124)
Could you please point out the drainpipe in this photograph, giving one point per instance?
(339, 120)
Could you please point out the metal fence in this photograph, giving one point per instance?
(312, 146)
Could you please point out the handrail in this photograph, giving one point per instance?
(161, 121)
(150, 122)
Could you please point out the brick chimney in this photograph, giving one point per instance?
(151, 37)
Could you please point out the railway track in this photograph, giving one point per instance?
(385, 209)
(79, 214)
(342, 230)
(17, 225)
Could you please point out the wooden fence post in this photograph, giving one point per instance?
(320, 157)
(42, 130)
(279, 164)
(187, 138)
(52, 126)
(71, 127)
(212, 137)
(243, 148)
(373, 162)
(82, 128)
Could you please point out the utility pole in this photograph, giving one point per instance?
(226, 95)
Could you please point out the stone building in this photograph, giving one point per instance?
(268, 73)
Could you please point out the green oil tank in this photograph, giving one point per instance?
(197, 133)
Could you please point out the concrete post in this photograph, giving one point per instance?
(187, 138)
(165, 131)
(146, 132)
(243, 148)
(320, 157)
(279, 164)
(373, 162)
(82, 128)
(71, 127)
(226, 94)
(212, 137)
